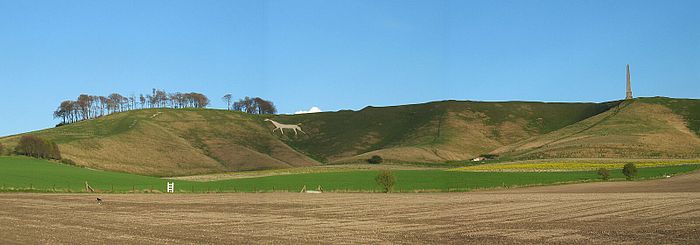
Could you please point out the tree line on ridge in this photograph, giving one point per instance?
(92, 106)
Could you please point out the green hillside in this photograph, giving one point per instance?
(171, 142)
(431, 132)
(689, 109)
(642, 128)
(167, 142)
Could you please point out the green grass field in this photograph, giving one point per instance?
(27, 174)
(24, 173)
(424, 180)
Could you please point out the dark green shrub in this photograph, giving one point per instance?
(604, 173)
(630, 171)
(375, 160)
(386, 179)
(34, 146)
(67, 161)
(489, 156)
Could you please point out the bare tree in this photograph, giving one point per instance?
(227, 99)
(237, 106)
(132, 102)
(255, 105)
(249, 105)
(161, 98)
(84, 103)
(200, 100)
(142, 100)
(266, 107)
(103, 105)
(63, 111)
(89, 106)
(150, 100)
(115, 102)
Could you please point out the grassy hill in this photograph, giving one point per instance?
(431, 132)
(642, 128)
(168, 142)
(172, 142)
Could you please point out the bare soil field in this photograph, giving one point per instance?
(647, 212)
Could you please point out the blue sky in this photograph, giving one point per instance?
(343, 54)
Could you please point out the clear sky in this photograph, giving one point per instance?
(343, 54)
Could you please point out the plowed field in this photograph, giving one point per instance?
(652, 212)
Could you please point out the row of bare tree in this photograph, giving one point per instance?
(90, 106)
(255, 105)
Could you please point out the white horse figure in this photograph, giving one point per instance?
(282, 127)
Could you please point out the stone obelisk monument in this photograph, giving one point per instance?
(628, 96)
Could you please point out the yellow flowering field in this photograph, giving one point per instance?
(567, 166)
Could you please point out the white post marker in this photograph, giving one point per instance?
(171, 187)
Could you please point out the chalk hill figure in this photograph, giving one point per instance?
(281, 127)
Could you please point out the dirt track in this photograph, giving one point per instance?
(535, 215)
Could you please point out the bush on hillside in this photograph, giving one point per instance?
(386, 179)
(375, 160)
(629, 170)
(61, 124)
(2, 149)
(604, 173)
(67, 161)
(34, 146)
(489, 156)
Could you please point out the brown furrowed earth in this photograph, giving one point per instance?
(651, 212)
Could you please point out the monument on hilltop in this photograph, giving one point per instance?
(628, 96)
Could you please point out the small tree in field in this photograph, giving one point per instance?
(386, 180)
(604, 173)
(629, 170)
(375, 160)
